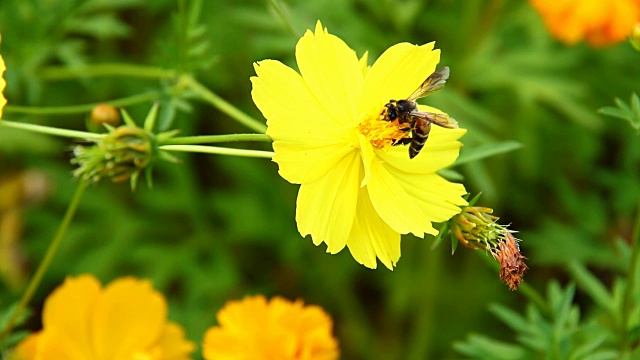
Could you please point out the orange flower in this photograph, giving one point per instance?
(254, 329)
(125, 320)
(599, 22)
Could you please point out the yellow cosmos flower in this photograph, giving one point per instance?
(125, 320)
(3, 83)
(257, 329)
(357, 190)
(596, 21)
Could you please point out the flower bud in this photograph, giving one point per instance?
(476, 228)
(105, 114)
(122, 154)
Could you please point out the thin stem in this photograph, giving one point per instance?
(46, 261)
(223, 105)
(204, 139)
(631, 281)
(75, 109)
(277, 6)
(182, 35)
(108, 69)
(51, 130)
(218, 150)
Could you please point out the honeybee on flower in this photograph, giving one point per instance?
(332, 135)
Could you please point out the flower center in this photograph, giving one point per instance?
(381, 133)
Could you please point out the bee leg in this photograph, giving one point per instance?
(403, 141)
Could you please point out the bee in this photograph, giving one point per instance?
(419, 122)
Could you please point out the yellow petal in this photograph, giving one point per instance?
(128, 318)
(408, 203)
(304, 163)
(242, 333)
(396, 74)
(364, 64)
(254, 329)
(65, 316)
(54, 344)
(26, 349)
(368, 156)
(285, 101)
(173, 344)
(332, 73)
(306, 138)
(371, 237)
(440, 151)
(3, 83)
(326, 207)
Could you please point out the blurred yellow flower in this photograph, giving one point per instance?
(357, 190)
(257, 329)
(126, 320)
(3, 83)
(599, 22)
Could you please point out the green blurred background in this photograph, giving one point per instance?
(218, 228)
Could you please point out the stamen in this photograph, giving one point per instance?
(381, 133)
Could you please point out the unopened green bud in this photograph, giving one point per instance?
(122, 154)
(476, 227)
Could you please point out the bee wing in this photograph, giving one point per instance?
(432, 84)
(439, 119)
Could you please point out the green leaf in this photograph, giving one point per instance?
(102, 5)
(589, 347)
(589, 283)
(603, 355)
(475, 199)
(482, 347)
(5, 315)
(510, 317)
(624, 111)
(635, 107)
(450, 175)
(485, 151)
(454, 244)
(444, 231)
(613, 112)
(100, 26)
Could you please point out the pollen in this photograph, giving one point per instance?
(381, 133)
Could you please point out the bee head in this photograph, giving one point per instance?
(392, 113)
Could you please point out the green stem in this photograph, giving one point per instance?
(631, 281)
(62, 110)
(218, 150)
(46, 261)
(204, 139)
(223, 105)
(51, 130)
(277, 6)
(182, 35)
(108, 69)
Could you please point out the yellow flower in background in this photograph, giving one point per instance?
(3, 84)
(257, 329)
(599, 22)
(357, 190)
(126, 320)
